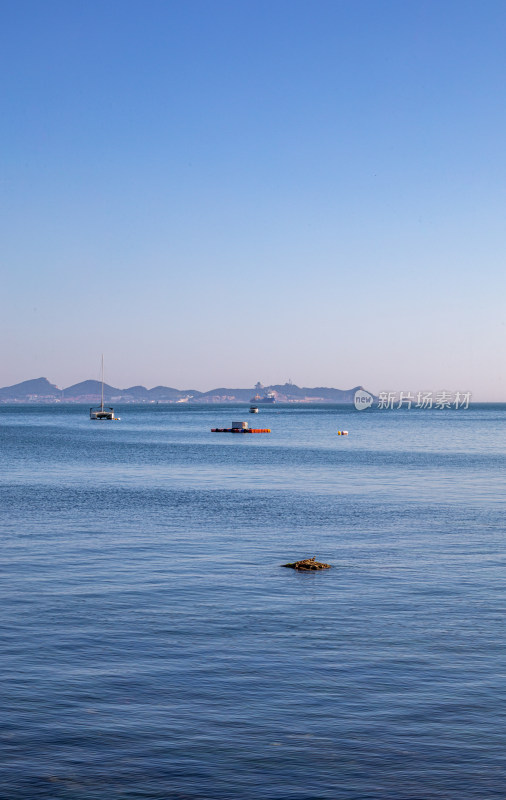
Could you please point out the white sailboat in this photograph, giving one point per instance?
(102, 412)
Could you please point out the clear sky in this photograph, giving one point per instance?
(216, 192)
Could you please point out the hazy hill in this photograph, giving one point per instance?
(139, 393)
(161, 393)
(293, 392)
(41, 390)
(39, 387)
(90, 389)
(241, 395)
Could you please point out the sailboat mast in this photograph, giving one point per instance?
(102, 405)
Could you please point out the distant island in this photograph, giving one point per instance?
(41, 391)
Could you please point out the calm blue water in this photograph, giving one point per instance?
(153, 648)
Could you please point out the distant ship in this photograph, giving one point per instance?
(270, 397)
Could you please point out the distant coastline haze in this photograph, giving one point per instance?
(42, 391)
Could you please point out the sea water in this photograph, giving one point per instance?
(153, 647)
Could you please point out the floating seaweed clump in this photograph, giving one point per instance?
(307, 564)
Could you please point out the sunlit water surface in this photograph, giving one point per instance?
(153, 647)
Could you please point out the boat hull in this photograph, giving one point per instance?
(102, 413)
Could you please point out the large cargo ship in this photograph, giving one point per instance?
(269, 397)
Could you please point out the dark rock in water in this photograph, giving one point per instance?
(307, 564)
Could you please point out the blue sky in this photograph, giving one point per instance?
(215, 193)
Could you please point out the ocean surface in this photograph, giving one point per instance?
(152, 648)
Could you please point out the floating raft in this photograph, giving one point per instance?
(307, 564)
(240, 430)
(240, 427)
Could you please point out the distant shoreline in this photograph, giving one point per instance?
(86, 403)
(40, 391)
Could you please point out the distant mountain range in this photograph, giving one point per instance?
(40, 390)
